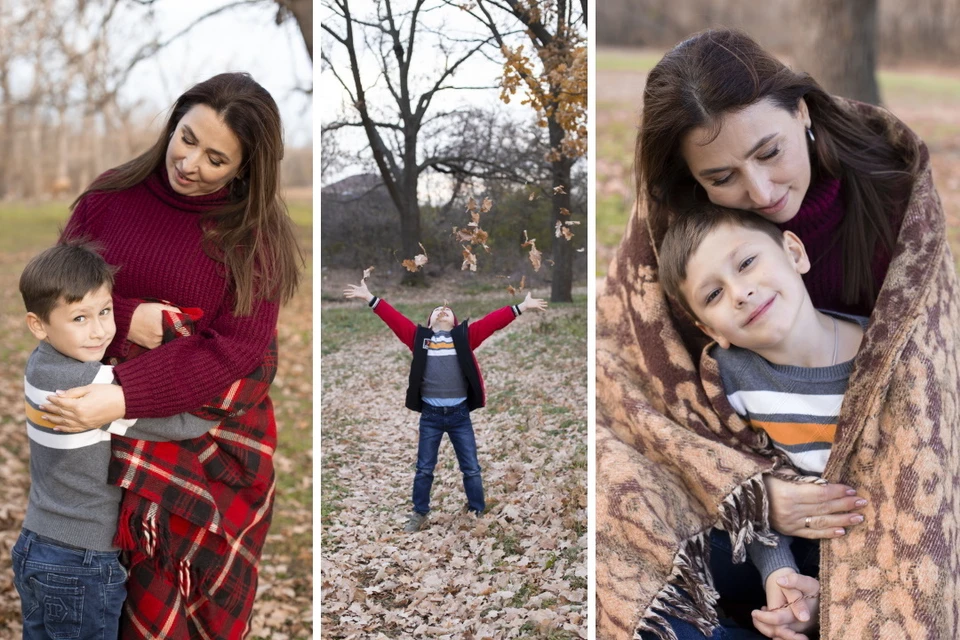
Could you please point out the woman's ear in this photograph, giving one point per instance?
(718, 337)
(35, 325)
(803, 112)
(796, 251)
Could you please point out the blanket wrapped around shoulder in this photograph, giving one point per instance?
(675, 461)
(199, 509)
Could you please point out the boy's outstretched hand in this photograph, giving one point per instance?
(777, 620)
(536, 304)
(355, 291)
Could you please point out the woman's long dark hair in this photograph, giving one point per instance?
(252, 235)
(720, 71)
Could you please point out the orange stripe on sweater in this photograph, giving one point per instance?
(791, 433)
(36, 417)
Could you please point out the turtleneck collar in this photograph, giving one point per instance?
(159, 184)
(820, 210)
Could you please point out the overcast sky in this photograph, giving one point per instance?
(239, 39)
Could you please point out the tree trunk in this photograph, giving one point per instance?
(302, 11)
(561, 285)
(839, 47)
(410, 231)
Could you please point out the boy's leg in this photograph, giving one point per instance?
(465, 446)
(65, 592)
(739, 585)
(431, 433)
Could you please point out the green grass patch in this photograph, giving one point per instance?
(917, 87)
(31, 226)
(626, 60)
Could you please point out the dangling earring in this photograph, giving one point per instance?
(810, 134)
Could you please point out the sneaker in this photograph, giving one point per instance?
(415, 522)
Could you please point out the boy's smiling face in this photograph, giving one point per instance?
(745, 289)
(81, 330)
(441, 319)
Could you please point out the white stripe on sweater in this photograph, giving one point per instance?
(74, 440)
(775, 402)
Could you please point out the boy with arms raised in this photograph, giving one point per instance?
(445, 386)
(784, 365)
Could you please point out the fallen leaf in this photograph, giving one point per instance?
(469, 260)
(564, 212)
(559, 189)
(366, 274)
(417, 262)
(486, 206)
(534, 254)
(566, 233)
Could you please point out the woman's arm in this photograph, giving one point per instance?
(813, 511)
(180, 376)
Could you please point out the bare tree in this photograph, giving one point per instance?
(839, 48)
(397, 126)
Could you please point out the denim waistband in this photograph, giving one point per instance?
(33, 536)
(443, 411)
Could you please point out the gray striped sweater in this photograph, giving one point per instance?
(70, 500)
(798, 407)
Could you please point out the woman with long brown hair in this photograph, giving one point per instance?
(678, 473)
(196, 220)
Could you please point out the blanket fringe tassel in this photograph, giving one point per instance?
(689, 594)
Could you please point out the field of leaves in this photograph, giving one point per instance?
(284, 604)
(927, 99)
(517, 572)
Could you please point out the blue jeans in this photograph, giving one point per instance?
(455, 422)
(741, 589)
(67, 592)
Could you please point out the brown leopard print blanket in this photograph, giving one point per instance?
(674, 460)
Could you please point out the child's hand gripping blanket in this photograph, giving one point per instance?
(674, 460)
(193, 506)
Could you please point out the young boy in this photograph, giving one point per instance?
(65, 565)
(784, 364)
(445, 386)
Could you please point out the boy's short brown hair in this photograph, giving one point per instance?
(686, 234)
(67, 271)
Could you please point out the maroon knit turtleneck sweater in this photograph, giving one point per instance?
(817, 224)
(153, 235)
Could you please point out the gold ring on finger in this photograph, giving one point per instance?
(806, 522)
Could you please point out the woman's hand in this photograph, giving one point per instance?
(85, 408)
(530, 302)
(813, 511)
(792, 606)
(146, 325)
(355, 291)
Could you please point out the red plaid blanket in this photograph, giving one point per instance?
(195, 513)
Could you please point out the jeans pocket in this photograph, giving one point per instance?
(118, 572)
(28, 603)
(61, 597)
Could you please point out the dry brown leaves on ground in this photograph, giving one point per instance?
(519, 570)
